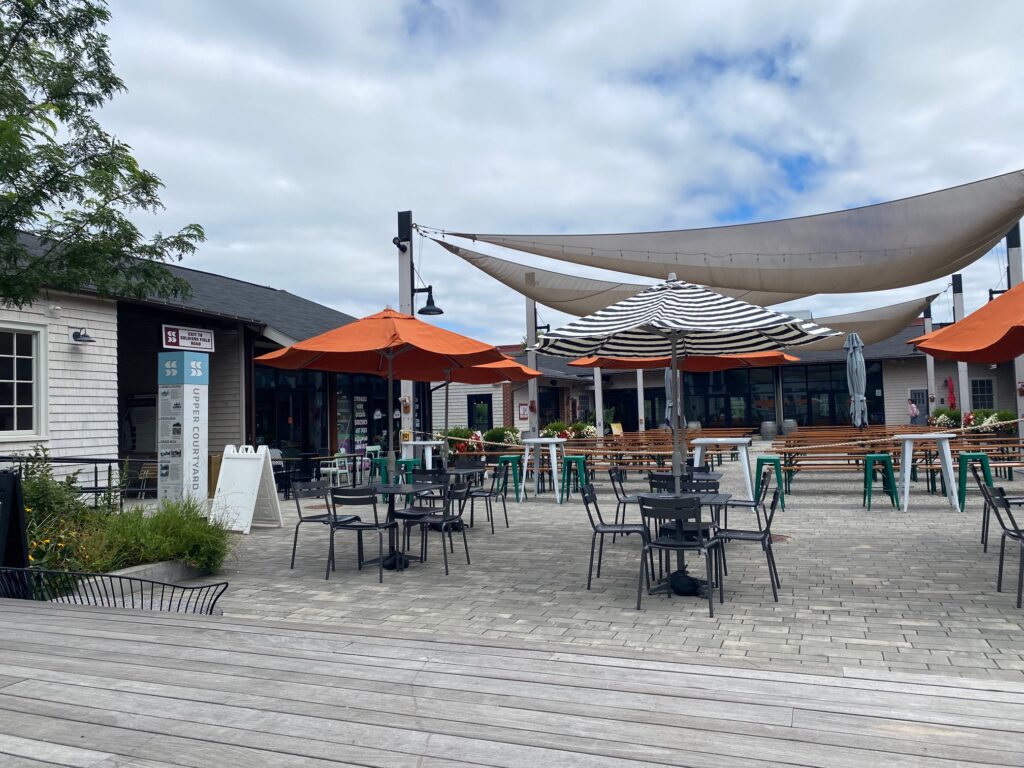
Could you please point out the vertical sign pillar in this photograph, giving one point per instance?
(641, 421)
(182, 440)
(1014, 276)
(405, 286)
(929, 366)
(532, 390)
(963, 381)
(598, 403)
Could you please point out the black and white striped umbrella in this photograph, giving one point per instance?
(675, 319)
(700, 321)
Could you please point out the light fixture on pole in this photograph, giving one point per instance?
(430, 308)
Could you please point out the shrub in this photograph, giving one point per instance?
(556, 429)
(503, 436)
(581, 429)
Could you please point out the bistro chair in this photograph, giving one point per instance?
(674, 525)
(601, 528)
(622, 499)
(986, 508)
(449, 519)
(316, 489)
(343, 502)
(661, 483)
(755, 504)
(498, 490)
(1013, 532)
(763, 536)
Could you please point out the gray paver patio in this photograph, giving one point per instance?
(881, 589)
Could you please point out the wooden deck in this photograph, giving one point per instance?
(115, 689)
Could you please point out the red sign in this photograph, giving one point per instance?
(176, 337)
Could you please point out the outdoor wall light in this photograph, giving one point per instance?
(431, 308)
(81, 336)
(399, 244)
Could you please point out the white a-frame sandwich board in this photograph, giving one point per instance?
(246, 495)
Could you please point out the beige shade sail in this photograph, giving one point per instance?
(877, 247)
(872, 325)
(581, 295)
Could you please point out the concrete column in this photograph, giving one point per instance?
(598, 403)
(963, 381)
(532, 390)
(1014, 277)
(641, 423)
(929, 366)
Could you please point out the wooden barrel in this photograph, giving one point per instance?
(769, 429)
(789, 425)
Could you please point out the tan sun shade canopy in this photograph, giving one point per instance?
(877, 247)
(872, 325)
(581, 295)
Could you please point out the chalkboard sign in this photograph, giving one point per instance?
(13, 542)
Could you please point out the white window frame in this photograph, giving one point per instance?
(992, 384)
(40, 379)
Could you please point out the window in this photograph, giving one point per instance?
(478, 410)
(19, 393)
(982, 394)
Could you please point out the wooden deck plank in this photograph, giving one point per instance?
(726, 697)
(471, 708)
(45, 752)
(197, 691)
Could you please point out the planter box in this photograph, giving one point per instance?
(168, 571)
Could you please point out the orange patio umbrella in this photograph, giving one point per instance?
(691, 363)
(992, 334)
(390, 344)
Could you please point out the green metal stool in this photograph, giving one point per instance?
(515, 463)
(579, 463)
(404, 468)
(888, 478)
(379, 469)
(774, 461)
(965, 460)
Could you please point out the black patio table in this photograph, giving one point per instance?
(395, 559)
(466, 473)
(706, 476)
(714, 500)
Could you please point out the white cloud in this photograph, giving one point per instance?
(294, 132)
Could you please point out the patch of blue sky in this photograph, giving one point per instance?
(432, 23)
(773, 64)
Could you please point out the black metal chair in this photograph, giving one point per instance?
(108, 591)
(498, 490)
(986, 508)
(316, 489)
(762, 535)
(602, 529)
(661, 483)
(449, 519)
(756, 504)
(422, 503)
(622, 499)
(344, 501)
(1012, 531)
(674, 525)
(435, 477)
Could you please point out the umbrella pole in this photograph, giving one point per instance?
(447, 445)
(390, 418)
(677, 459)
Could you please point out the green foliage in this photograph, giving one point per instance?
(953, 414)
(67, 534)
(502, 435)
(581, 429)
(176, 531)
(460, 432)
(554, 429)
(62, 177)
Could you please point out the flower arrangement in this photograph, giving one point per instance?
(968, 419)
(556, 429)
(503, 436)
(582, 430)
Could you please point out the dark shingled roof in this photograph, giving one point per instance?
(286, 313)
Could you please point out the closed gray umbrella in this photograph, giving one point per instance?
(856, 379)
(676, 318)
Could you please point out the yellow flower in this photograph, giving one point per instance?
(30, 558)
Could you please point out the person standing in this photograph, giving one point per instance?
(912, 411)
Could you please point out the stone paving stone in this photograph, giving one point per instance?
(890, 590)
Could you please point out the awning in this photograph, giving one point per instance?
(877, 247)
(581, 295)
(993, 333)
(872, 325)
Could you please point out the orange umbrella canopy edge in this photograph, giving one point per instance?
(365, 345)
(993, 333)
(691, 363)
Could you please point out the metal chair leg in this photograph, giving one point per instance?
(1002, 551)
(504, 508)
(465, 543)
(330, 556)
(640, 577)
(444, 551)
(593, 545)
(711, 583)
(295, 543)
(490, 512)
(600, 555)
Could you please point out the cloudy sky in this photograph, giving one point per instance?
(294, 132)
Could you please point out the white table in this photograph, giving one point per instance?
(945, 462)
(428, 450)
(742, 444)
(538, 444)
